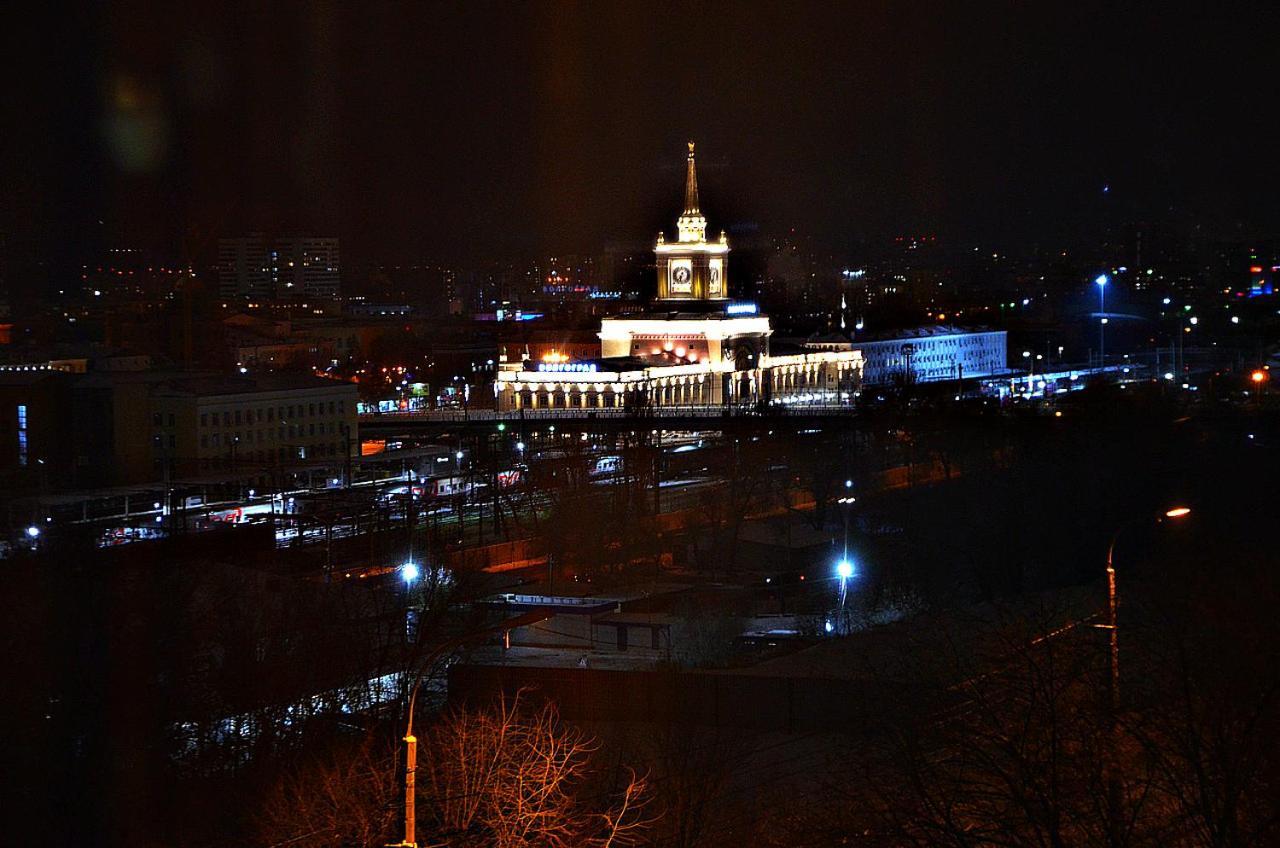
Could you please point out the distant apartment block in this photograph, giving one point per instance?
(289, 268)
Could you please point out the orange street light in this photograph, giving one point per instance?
(1258, 376)
(1113, 625)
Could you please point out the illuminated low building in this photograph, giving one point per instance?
(693, 348)
(926, 354)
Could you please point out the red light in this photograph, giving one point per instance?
(1255, 269)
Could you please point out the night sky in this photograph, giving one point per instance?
(478, 130)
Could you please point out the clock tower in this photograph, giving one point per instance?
(691, 268)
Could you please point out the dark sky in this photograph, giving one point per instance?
(476, 129)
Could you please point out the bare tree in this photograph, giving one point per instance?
(346, 798)
(514, 774)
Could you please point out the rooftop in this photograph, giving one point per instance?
(207, 384)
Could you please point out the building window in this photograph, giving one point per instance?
(204, 419)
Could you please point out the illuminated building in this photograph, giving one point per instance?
(691, 268)
(693, 348)
(927, 354)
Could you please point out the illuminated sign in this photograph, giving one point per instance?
(576, 367)
(741, 309)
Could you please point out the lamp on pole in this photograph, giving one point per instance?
(844, 570)
(411, 741)
(1101, 281)
(1258, 378)
(1112, 625)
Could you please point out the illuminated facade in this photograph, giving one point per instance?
(928, 355)
(695, 348)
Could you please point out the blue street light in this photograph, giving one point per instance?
(409, 572)
(1102, 280)
(844, 571)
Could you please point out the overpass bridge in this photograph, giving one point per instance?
(664, 418)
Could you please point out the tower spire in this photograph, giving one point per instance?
(691, 186)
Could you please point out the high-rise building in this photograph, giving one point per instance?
(278, 269)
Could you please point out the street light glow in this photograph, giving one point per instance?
(1102, 279)
(1258, 376)
(33, 531)
(1177, 512)
(844, 569)
(410, 572)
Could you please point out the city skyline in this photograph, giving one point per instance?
(535, 131)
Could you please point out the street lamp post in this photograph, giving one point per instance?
(1113, 682)
(1258, 377)
(1101, 281)
(844, 570)
(411, 741)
